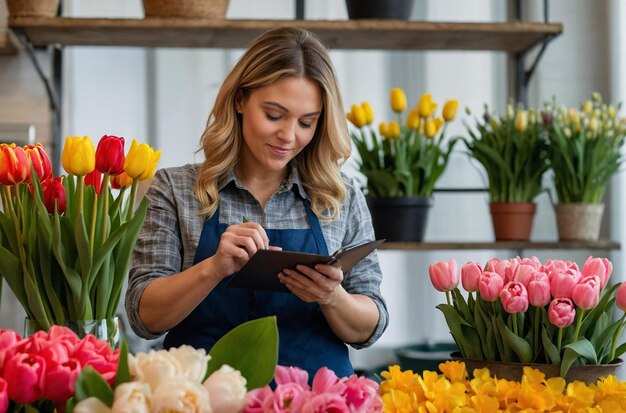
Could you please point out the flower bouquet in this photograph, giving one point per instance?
(402, 162)
(585, 152)
(513, 151)
(521, 310)
(66, 242)
(453, 391)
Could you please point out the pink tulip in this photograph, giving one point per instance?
(325, 380)
(523, 274)
(601, 267)
(561, 312)
(258, 398)
(514, 297)
(284, 374)
(470, 275)
(325, 402)
(539, 290)
(552, 267)
(4, 397)
(586, 293)
(284, 396)
(562, 283)
(497, 266)
(620, 297)
(361, 395)
(8, 341)
(490, 285)
(532, 261)
(24, 374)
(60, 381)
(444, 275)
(96, 353)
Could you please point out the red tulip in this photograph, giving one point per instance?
(470, 275)
(620, 297)
(24, 374)
(539, 289)
(60, 382)
(54, 194)
(586, 293)
(561, 312)
(94, 178)
(444, 275)
(514, 297)
(110, 155)
(4, 397)
(490, 285)
(14, 165)
(40, 161)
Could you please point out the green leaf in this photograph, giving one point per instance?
(91, 384)
(123, 372)
(251, 348)
(521, 347)
(620, 350)
(581, 348)
(552, 353)
(463, 332)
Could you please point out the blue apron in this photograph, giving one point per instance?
(305, 338)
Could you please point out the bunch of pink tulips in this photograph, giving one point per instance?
(524, 310)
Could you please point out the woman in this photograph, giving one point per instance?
(273, 145)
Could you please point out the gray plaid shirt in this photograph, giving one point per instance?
(168, 240)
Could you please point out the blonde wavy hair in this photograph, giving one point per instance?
(275, 55)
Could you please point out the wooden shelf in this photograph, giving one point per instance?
(504, 245)
(510, 37)
(7, 43)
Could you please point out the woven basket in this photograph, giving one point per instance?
(33, 8)
(195, 9)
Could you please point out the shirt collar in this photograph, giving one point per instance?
(293, 178)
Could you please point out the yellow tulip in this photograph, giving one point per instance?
(413, 120)
(398, 100)
(574, 116)
(426, 106)
(593, 124)
(449, 110)
(431, 128)
(350, 117)
(79, 155)
(521, 120)
(358, 116)
(587, 107)
(369, 113)
(394, 129)
(141, 161)
(383, 128)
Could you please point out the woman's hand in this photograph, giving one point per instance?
(238, 243)
(314, 285)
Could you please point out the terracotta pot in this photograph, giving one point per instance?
(33, 8)
(195, 9)
(512, 221)
(579, 221)
(588, 374)
(400, 218)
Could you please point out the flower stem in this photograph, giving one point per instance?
(559, 340)
(579, 321)
(448, 297)
(92, 232)
(536, 332)
(131, 201)
(80, 187)
(105, 208)
(515, 329)
(616, 337)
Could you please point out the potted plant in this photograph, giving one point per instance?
(521, 312)
(585, 151)
(402, 162)
(512, 149)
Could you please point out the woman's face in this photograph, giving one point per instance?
(278, 122)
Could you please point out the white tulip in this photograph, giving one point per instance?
(91, 405)
(132, 397)
(154, 367)
(181, 396)
(227, 390)
(193, 362)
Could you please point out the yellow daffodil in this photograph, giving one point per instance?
(369, 113)
(449, 110)
(394, 129)
(398, 100)
(521, 121)
(413, 120)
(426, 106)
(141, 161)
(454, 371)
(79, 155)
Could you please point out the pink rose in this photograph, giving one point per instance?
(601, 267)
(258, 398)
(284, 374)
(24, 374)
(561, 312)
(60, 381)
(562, 283)
(444, 275)
(325, 380)
(489, 285)
(4, 397)
(470, 274)
(514, 297)
(361, 395)
(539, 290)
(586, 293)
(325, 402)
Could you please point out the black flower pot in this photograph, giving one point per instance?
(400, 218)
(379, 9)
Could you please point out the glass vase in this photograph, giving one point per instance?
(107, 329)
